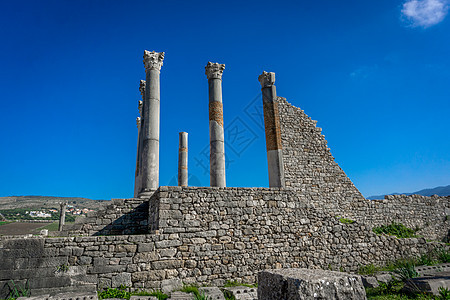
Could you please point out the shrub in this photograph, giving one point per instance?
(443, 255)
(368, 269)
(397, 229)
(406, 272)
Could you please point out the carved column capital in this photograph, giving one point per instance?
(142, 88)
(267, 79)
(214, 70)
(138, 121)
(153, 60)
(140, 103)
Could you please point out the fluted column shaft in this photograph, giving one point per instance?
(272, 129)
(214, 73)
(151, 113)
(183, 160)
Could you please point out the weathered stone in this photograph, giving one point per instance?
(308, 284)
(121, 279)
(212, 293)
(429, 285)
(169, 285)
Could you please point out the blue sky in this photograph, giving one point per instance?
(374, 74)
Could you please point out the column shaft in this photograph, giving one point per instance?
(151, 112)
(62, 215)
(183, 160)
(273, 130)
(214, 73)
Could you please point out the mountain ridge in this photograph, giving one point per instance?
(440, 191)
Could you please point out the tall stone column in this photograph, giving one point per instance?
(273, 131)
(62, 215)
(183, 160)
(153, 62)
(139, 122)
(214, 73)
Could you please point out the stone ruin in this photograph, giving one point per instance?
(167, 236)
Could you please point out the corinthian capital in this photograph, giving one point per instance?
(153, 60)
(138, 121)
(267, 79)
(142, 88)
(214, 70)
(140, 107)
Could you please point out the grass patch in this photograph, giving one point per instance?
(233, 283)
(53, 226)
(122, 292)
(190, 289)
(443, 255)
(434, 257)
(4, 222)
(397, 229)
(346, 221)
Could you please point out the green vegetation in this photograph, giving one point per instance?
(4, 222)
(20, 214)
(406, 272)
(122, 292)
(432, 258)
(397, 229)
(346, 221)
(194, 290)
(18, 290)
(62, 268)
(53, 226)
(237, 283)
(443, 255)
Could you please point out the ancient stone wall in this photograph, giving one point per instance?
(309, 166)
(311, 170)
(120, 216)
(429, 214)
(205, 236)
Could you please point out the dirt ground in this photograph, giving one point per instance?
(17, 228)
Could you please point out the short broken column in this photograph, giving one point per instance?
(214, 73)
(183, 160)
(272, 129)
(153, 62)
(62, 215)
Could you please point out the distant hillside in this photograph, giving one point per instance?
(440, 191)
(46, 202)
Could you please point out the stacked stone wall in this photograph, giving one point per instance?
(309, 166)
(428, 214)
(205, 236)
(120, 216)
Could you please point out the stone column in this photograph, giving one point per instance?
(62, 215)
(153, 62)
(183, 160)
(138, 174)
(273, 131)
(214, 73)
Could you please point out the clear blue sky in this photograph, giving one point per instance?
(374, 74)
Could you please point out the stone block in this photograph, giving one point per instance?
(143, 298)
(369, 281)
(121, 279)
(182, 296)
(428, 284)
(169, 285)
(302, 284)
(212, 293)
(64, 296)
(242, 292)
